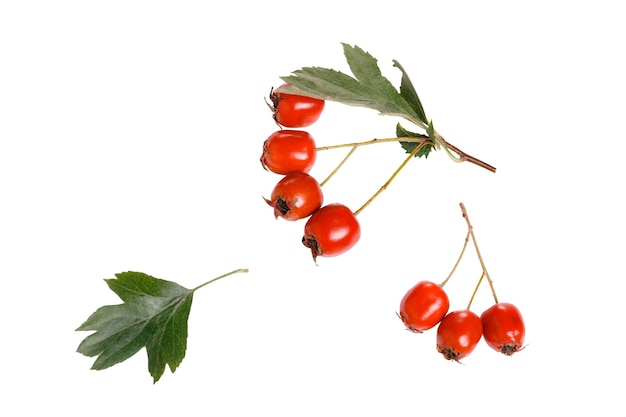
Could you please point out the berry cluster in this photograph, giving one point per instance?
(331, 229)
(426, 305)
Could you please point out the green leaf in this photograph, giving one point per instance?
(154, 315)
(410, 95)
(430, 131)
(410, 146)
(368, 88)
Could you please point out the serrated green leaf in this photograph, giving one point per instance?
(368, 88)
(410, 95)
(129, 285)
(327, 84)
(154, 316)
(365, 69)
(410, 146)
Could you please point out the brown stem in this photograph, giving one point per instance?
(466, 157)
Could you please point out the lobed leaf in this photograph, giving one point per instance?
(368, 88)
(154, 315)
(410, 95)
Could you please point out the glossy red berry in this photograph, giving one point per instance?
(286, 151)
(331, 231)
(503, 328)
(423, 306)
(296, 196)
(291, 110)
(458, 334)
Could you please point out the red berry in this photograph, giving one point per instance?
(296, 196)
(458, 334)
(331, 231)
(286, 151)
(503, 328)
(423, 306)
(291, 110)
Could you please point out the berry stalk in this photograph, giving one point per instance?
(480, 258)
(391, 178)
(374, 141)
(480, 280)
(422, 142)
(343, 161)
(458, 261)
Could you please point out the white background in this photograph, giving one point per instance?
(130, 137)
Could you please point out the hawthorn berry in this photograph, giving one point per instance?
(458, 334)
(296, 196)
(331, 231)
(286, 151)
(423, 306)
(291, 110)
(503, 328)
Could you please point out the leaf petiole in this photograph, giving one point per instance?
(236, 271)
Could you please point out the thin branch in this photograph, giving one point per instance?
(480, 258)
(396, 172)
(462, 156)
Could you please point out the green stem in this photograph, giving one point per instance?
(438, 141)
(469, 305)
(374, 141)
(241, 270)
(457, 261)
(343, 161)
(396, 172)
(480, 258)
